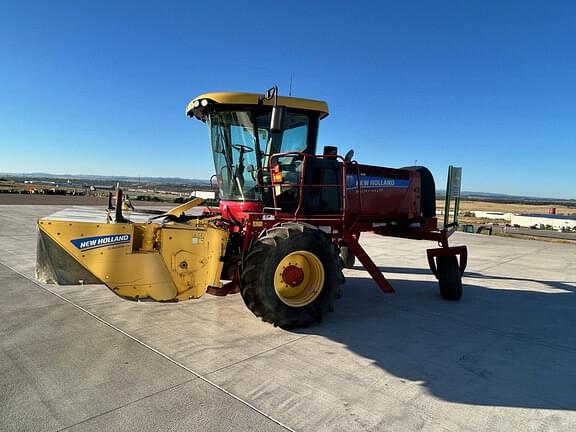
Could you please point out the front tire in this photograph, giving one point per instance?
(291, 275)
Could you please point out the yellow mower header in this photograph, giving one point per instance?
(168, 257)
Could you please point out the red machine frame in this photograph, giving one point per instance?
(341, 226)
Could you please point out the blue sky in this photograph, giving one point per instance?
(101, 87)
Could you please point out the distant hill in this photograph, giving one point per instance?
(105, 179)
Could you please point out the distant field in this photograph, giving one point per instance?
(508, 208)
(39, 199)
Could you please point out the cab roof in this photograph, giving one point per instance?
(195, 108)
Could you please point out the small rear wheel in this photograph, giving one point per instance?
(449, 278)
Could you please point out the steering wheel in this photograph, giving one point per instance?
(242, 148)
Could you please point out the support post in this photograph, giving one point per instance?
(368, 264)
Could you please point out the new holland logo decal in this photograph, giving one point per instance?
(87, 243)
(372, 182)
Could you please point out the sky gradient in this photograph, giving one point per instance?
(101, 87)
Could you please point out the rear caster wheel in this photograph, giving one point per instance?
(449, 278)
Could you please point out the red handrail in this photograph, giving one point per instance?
(301, 184)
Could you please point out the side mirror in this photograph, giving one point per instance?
(349, 156)
(277, 118)
(271, 92)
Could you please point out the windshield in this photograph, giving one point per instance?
(234, 147)
(294, 137)
(239, 156)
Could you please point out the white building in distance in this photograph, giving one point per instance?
(492, 215)
(204, 194)
(556, 221)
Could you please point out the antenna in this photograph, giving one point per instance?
(290, 90)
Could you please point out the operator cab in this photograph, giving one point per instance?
(247, 129)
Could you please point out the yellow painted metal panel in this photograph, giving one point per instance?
(232, 98)
(193, 257)
(139, 260)
(177, 211)
(112, 262)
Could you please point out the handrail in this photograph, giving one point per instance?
(301, 183)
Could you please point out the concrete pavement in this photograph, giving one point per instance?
(61, 368)
(501, 359)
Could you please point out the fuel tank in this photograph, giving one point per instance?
(386, 194)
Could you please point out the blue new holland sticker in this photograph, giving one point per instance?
(373, 182)
(86, 243)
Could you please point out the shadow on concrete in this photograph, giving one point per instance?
(474, 275)
(497, 347)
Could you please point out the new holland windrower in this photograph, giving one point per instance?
(289, 220)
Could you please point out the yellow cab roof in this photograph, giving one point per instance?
(231, 98)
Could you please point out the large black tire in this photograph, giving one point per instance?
(257, 284)
(347, 256)
(449, 278)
